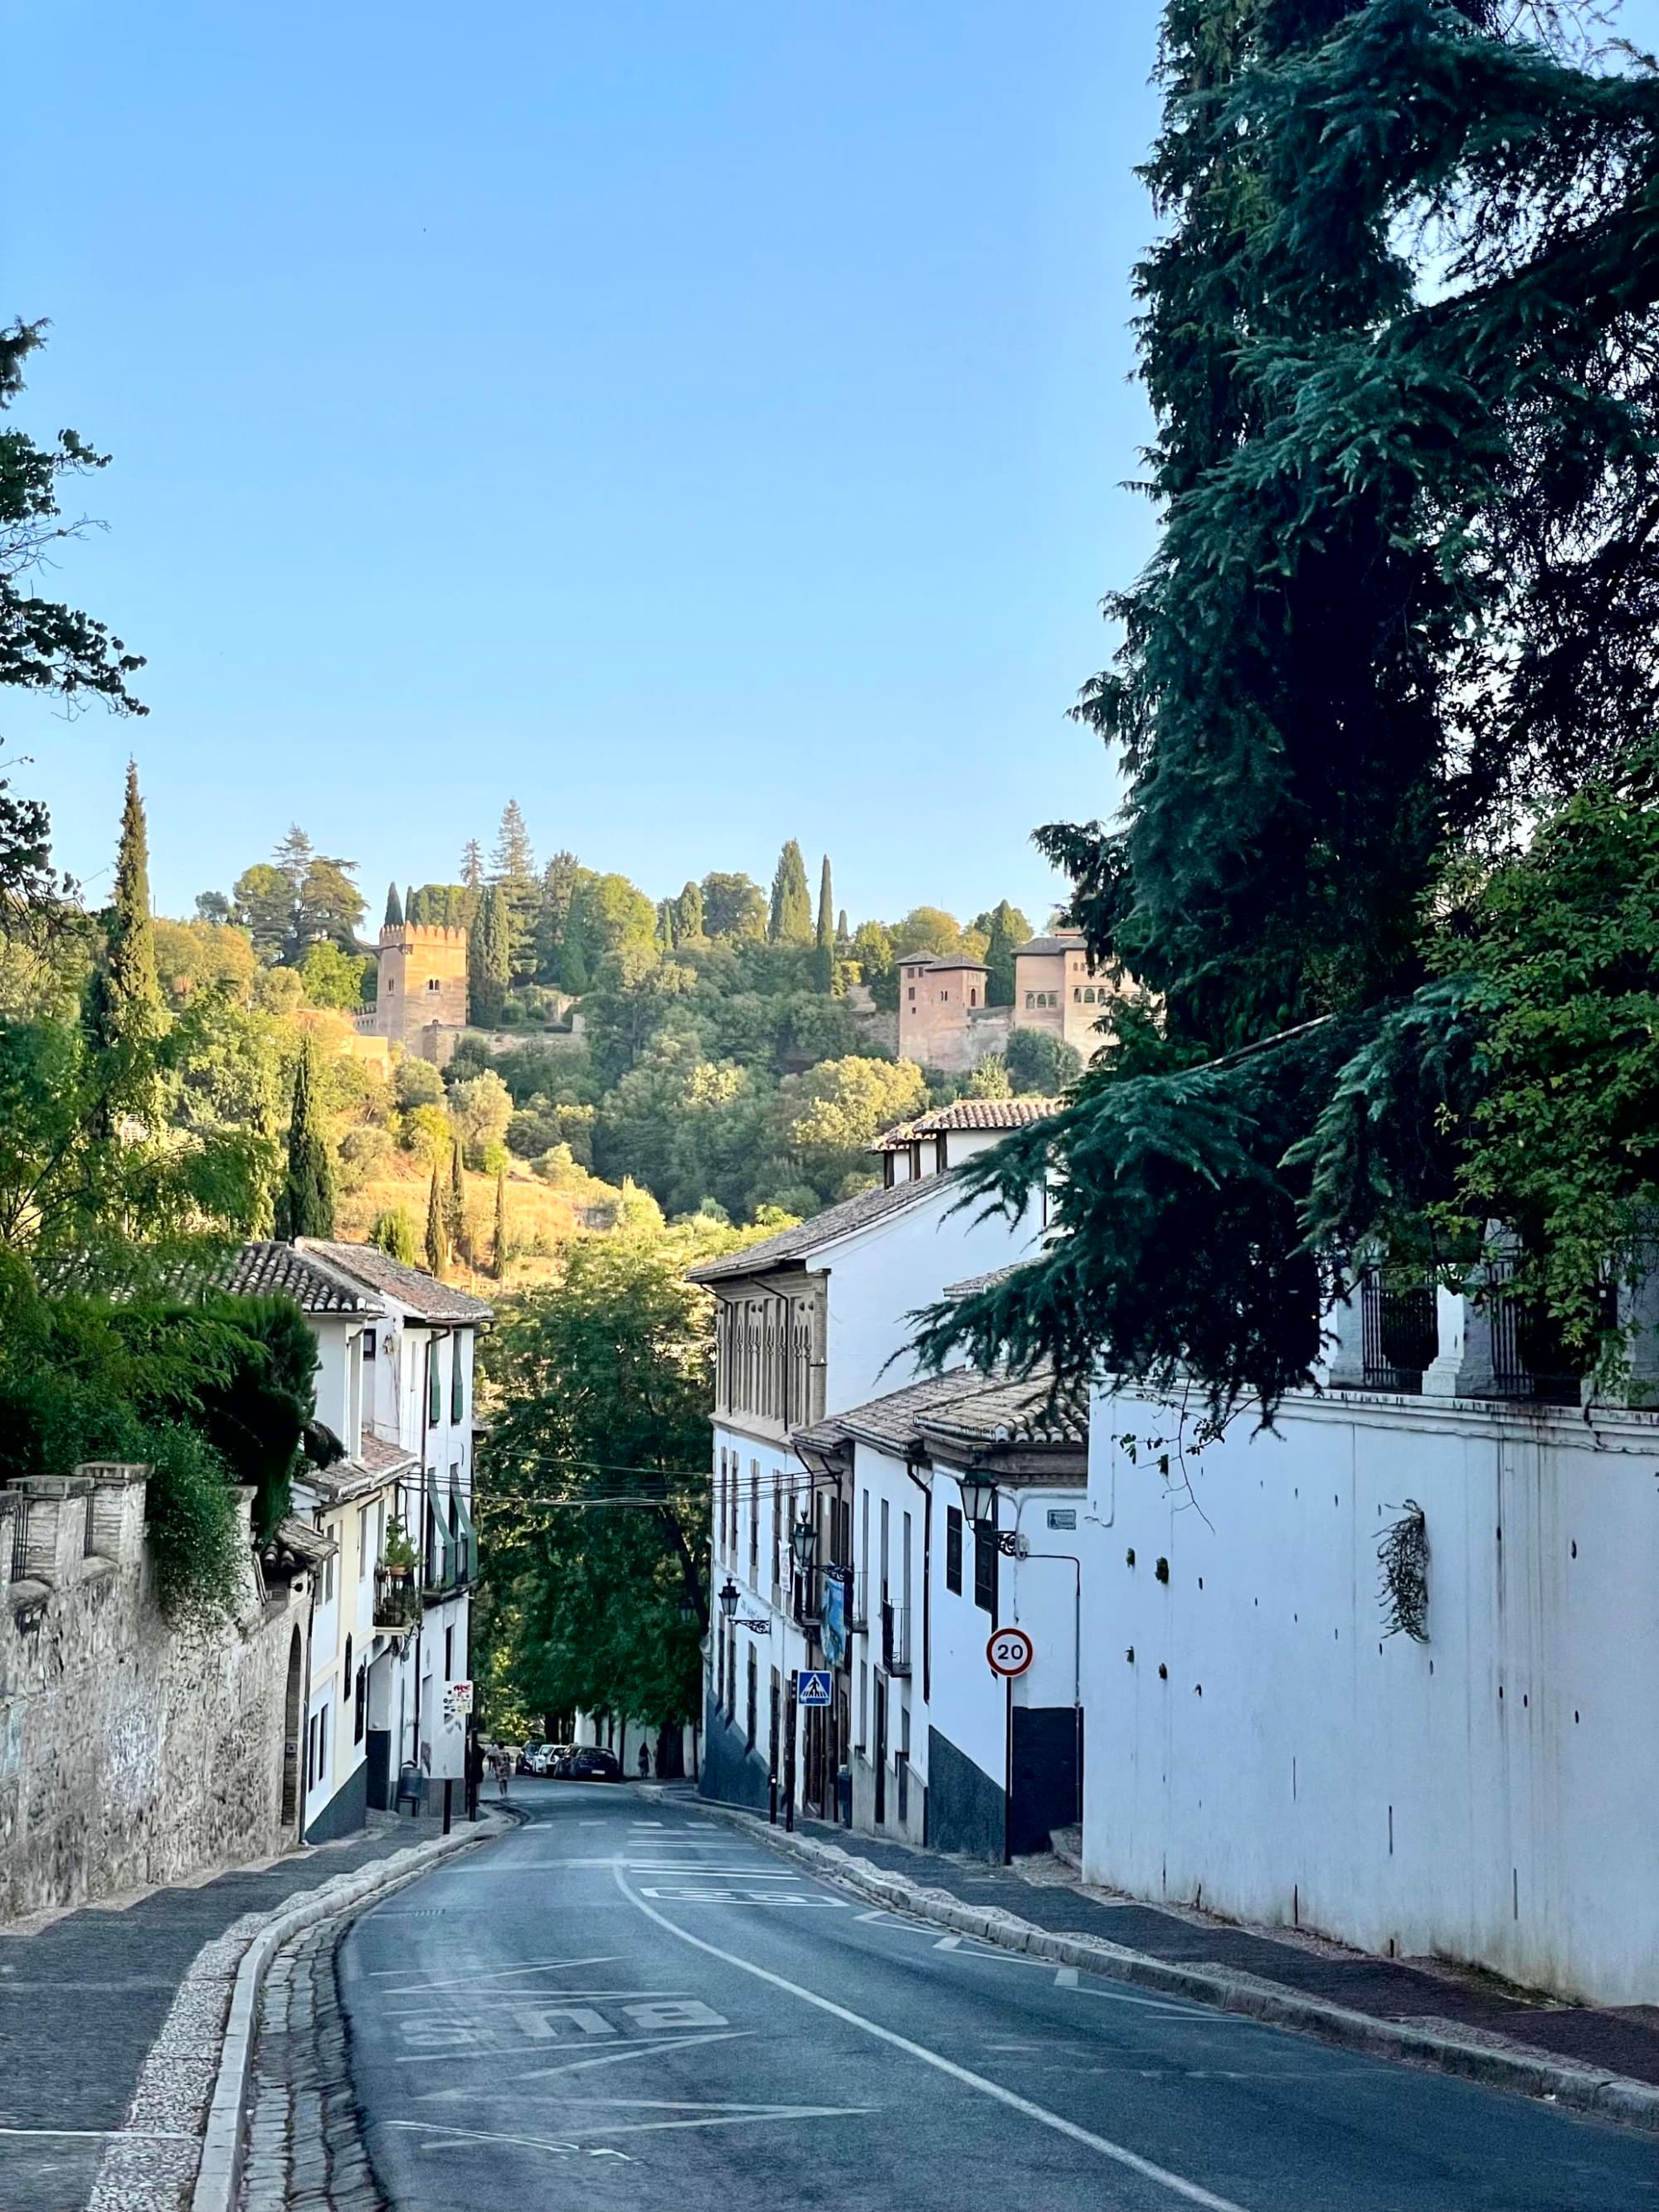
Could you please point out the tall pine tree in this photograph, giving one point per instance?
(790, 919)
(394, 908)
(513, 870)
(305, 1202)
(1399, 336)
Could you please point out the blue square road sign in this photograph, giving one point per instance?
(811, 1685)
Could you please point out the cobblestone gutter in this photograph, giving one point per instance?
(304, 2151)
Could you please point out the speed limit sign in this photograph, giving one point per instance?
(1010, 1651)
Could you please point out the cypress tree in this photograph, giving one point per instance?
(305, 1204)
(455, 1221)
(790, 919)
(823, 950)
(1006, 931)
(412, 906)
(127, 1015)
(394, 908)
(688, 914)
(488, 956)
(437, 1245)
(843, 935)
(501, 1224)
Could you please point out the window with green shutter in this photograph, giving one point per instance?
(434, 1385)
(457, 1383)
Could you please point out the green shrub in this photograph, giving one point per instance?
(190, 1524)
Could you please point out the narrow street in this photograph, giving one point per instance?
(625, 2006)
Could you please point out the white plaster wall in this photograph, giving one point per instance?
(333, 1397)
(879, 1475)
(1488, 1796)
(879, 1278)
(967, 1700)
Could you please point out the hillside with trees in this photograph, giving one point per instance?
(727, 1048)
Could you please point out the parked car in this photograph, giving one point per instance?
(559, 1756)
(592, 1764)
(529, 1756)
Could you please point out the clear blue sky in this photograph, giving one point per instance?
(705, 422)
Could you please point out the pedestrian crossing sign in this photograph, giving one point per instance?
(811, 1685)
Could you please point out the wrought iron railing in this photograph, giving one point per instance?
(1529, 1357)
(1399, 1328)
(397, 1601)
(895, 1638)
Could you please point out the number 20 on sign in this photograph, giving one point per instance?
(1010, 1651)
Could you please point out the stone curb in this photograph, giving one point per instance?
(1532, 2074)
(218, 2177)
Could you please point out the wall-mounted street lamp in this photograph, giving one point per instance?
(804, 1544)
(726, 1598)
(978, 1498)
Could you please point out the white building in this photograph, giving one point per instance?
(965, 1493)
(394, 1385)
(1260, 1742)
(810, 1322)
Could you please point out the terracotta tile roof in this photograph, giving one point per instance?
(825, 1227)
(266, 1268)
(968, 1114)
(964, 1406)
(383, 1458)
(425, 1296)
(890, 1423)
(1025, 1411)
(1067, 941)
(985, 1114)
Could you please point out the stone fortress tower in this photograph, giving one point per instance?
(943, 1021)
(420, 991)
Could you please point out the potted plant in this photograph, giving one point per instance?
(399, 1556)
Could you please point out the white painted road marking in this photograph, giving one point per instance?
(1178, 2184)
(733, 1896)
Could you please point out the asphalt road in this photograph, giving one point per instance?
(625, 2006)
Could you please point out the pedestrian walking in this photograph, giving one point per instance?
(503, 1770)
(644, 1764)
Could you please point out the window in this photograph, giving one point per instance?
(433, 984)
(953, 1549)
(973, 995)
(750, 1709)
(777, 1527)
(434, 1385)
(719, 1668)
(864, 1702)
(322, 1743)
(345, 1671)
(449, 1655)
(1030, 1000)
(985, 1567)
(328, 1580)
(365, 1542)
(911, 995)
(456, 1381)
(754, 1522)
(944, 996)
(368, 1344)
(360, 1702)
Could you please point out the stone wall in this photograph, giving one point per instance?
(129, 1752)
